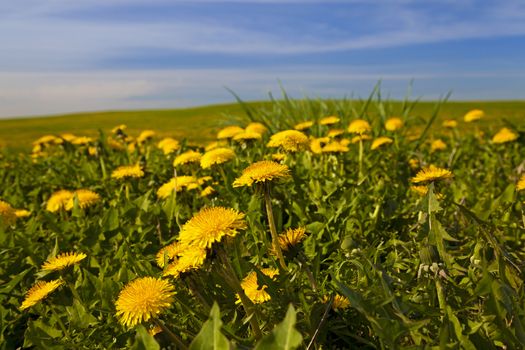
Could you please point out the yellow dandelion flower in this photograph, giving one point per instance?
(215, 144)
(168, 253)
(176, 184)
(335, 132)
(168, 145)
(291, 237)
(256, 127)
(330, 120)
(22, 213)
(114, 144)
(210, 225)
(358, 138)
(229, 132)
(359, 126)
(119, 128)
(7, 213)
(247, 135)
(62, 261)
(438, 145)
(413, 163)
(92, 151)
(317, 144)
(202, 180)
(191, 258)
(270, 272)
(449, 123)
(380, 141)
(431, 173)
(340, 302)
(86, 198)
(82, 140)
(505, 135)
(262, 171)
(39, 292)
(278, 157)
(521, 183)
(207, 191)
(145, 136)
(132, 147)
(216, 157)
(422, 190)
(473, 115)
(68, 137)
(345, 142)
(335, 147)
(393, 124)
(58, 200)
(304, 125)
(187, 157)
(289, 140)
(47, 140)
(142, 299)
(251, 288)
(154, 330)
(126, 171)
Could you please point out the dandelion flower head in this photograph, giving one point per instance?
(291, 237)
(505, 135)
(335, 132)
(229, 132)
(187, 157)
(62, 261)
(142, 299)
(339, 303)
(127, 171)
(58, 200)
(191, 258)
(473, 115)
(393, 124)
(521, 183)
(380, 141)
(289, 140)
(262, 171)
(430, 174)
(86, 198)
(335, 147)
(304, 125)
(39, 292)
(359, 126)
(359, 138)
(145, 136)
(247, 135)
(216, 156)
(438, 145)
(21, 213)
(168, 145)
(7, 213)
(449, 123)
(176, 184)
(168, 253)
(330, 120)
(256, 127)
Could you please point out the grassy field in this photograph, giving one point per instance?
(199, 124)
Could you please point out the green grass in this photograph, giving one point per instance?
(200, 124)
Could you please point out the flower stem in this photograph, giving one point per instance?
(360, 158)
(231, 278)
(174, 337)
(271, 223)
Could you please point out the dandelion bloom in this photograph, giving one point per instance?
(229, 132)
(359, 138)
(521, 183)
(413, 163)
(216, 157)
(191, 258)
(438, 145)
(303, 125)
(82, 140)
(359, 126)
(262, 171)
(330, 120)
(119, 128)
(340, 302)
(92, 151)
(505, 135)
(393, 124)
(47, 139)
(168, 145)
(168, 253)
(58, 200)
(335, 147)
(68, 137)
(449, 123)
(210, 225)
(142, 299)
(39, 292)
(7, 213)
(247, 135)
(335, 132)
(145, 135)
(422, 190)
(317, 144)
(207, 191)
(380, 141)
(176, 184)
(253, 291)
(22, 213)
(187, 157)
(431, 173)
(291, 237)
(278, 157)
(114, 144)
(289, 140)
(86, 198)
(127, 171)
(473, 115)
(256, 127)
(62, 261)
(214, 145)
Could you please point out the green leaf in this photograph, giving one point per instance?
(210, 336)
(284, 336)
(144, 341)
(79, 317)
(111, 220)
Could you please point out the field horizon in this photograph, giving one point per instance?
(199, 123)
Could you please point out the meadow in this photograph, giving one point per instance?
(298, 224)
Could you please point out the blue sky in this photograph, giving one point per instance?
(64, 56)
